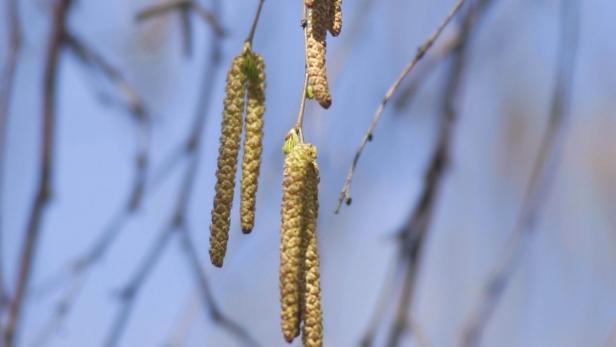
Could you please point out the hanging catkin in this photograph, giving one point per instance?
(336, 13)
(251, 162)
(319, 21)
(311, 301)
(296, 169)
(231, 129)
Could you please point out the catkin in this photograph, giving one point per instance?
(336, 13)
(230, 138)
(253, 147)
(296, 170)
(311, 301)
(319, 19)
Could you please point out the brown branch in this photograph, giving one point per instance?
(540, 180)
(7, 81)
(345, 195)
(255, 21)
(178, 225)
(210, 306)
(182, 5)
(414, 231)
(46, 161)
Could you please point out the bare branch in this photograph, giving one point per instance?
(46, 161)
(416, 228)
(540, 180)
(7, 80)
(345, 195)
(210, 306)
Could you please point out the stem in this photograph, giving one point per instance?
(255, 21)
(299, 123)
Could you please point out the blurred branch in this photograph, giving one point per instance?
(177, 225)
(433, 59)
(77, 271)
(43, 194)
(183, 6)
(210, 306)
(345, 195)
(414, 232)
(7, 80)
(541, 178)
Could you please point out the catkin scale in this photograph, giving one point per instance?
(253, 146)
(319, 19)
(312, 334)
(296, 170)
(231, 129)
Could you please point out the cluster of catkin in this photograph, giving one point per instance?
(300, 291)
(244, 94)
(323, 16)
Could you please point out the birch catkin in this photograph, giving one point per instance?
(297, 165)
(231, 129)
(312, 334)
(253, 146)
(336, 13)
(319, 19)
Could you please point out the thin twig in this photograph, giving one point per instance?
(299, 123)
(44, 186)
(7, 81)
(414, 231)
(255, 21)
(345, 195)
(540, 180)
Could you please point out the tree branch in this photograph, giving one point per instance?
(345, 195)
(540, 180)
(46, 161)
(414, 231)
(7, 80)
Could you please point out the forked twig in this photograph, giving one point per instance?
(416, 228)
(43, 194)
(345, 194)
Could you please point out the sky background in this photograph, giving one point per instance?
(563, 293)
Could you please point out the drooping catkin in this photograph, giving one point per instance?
(253, 147)
(298, 163)
(319, 19)
(336, 13)
(312, 315)
(231, 129)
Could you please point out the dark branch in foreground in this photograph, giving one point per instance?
(345, 194)
(43, 194)
(540, 180)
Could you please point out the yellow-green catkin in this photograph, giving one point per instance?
(298, 163)
(312, 335)
(231, 131)
(319, 21)
(253, 146)
(336, 13)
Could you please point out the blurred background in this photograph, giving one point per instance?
(561, 293)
